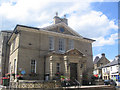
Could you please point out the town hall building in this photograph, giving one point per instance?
(40, 53)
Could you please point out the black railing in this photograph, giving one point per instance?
(70, 83)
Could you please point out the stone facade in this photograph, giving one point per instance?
(49, 56)
(99, 63)
(4, 52)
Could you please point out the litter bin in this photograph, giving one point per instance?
(5, 81)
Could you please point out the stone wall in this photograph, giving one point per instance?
(34, 84)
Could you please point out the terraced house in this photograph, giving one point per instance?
(40, 53)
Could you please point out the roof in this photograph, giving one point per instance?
(64, 25)
(28, 27)
(7, 31)
(96, 60)
(114, 62)
(15, 31)
(63, 53)
(89, 39)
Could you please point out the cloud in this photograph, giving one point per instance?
(101, 41)
(93, 24)
(87, 22)
(37, 12)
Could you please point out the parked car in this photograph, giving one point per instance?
(110, 82)
(106, 82)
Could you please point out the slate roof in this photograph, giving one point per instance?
(114, 62)
(101, 67)
(96, 60)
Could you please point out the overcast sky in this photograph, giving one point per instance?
(96, 20)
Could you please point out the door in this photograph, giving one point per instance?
(73, 71)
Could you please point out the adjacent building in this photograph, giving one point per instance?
(4, 52)
(112, 70)
(53, 49)
(98, 65)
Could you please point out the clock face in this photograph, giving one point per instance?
(62, 29)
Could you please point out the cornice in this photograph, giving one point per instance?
(55, 34)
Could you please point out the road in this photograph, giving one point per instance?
(117, 87)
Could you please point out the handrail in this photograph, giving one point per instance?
(78, 82)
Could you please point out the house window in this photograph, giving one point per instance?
(117, 67)
(33, 66)
(58, 67)
(71, 44)
(61, 44)
(81, 66)
(104, 69)
(15, 64)
(10, 67)
(51, 43)
(111, 68)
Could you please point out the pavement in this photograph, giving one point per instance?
(89, 86)
(117, 87)
(82, 87)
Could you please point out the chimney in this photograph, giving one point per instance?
(59, 20)
(65, 20)
(103, 54)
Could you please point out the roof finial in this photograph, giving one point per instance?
(56, 13)
(65, 16)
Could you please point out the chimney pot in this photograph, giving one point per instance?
(56, 13)
(103, 54)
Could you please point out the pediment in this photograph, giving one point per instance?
(74, 52)
(62, 28)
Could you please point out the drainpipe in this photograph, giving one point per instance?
(44, 65)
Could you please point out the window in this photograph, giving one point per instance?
(10, 67)
(71, 44)
(104, 69)
(58, 67)
(117, 68)
(111, 68)
(15, 64)
(61, 44)
(51, 43)
(81, 66)
(13, 45)
(104, 77)
(62, 29)
(33, 66)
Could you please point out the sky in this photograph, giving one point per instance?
(95, 19)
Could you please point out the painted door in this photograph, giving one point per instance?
(73, 71)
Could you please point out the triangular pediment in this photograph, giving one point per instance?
(62, 28)
(74, 52)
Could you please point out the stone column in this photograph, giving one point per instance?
(66, 66)
(80, 72)
(51, 67)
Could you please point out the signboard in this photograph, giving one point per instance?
(23, 72)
